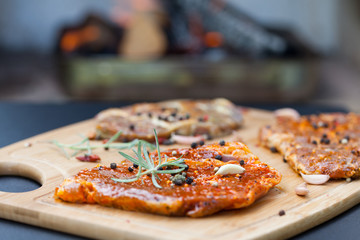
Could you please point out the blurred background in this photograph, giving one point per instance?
(249, 51)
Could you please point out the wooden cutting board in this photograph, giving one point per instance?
(47, 165)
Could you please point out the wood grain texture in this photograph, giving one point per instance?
(47, 165)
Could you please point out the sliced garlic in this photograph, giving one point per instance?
(301, 189)
(315, 179)
(287, 112)
(230, 169)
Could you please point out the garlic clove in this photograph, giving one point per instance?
(230, 169)
(301, 189)
(315, 179)
(288, 113)
(186, 139)
(228, 157)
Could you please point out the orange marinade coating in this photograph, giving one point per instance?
(208, 194)
(327, 143)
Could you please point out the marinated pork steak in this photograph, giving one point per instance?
(200, 193)
(327, 143)
(212, 118)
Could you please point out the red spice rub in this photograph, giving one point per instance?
(317, 144)
(200, 198)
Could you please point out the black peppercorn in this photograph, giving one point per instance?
(106, 148)
(281, 213)
(222, 143)
(132, 127)
(113, 165)
(325, 141)
(242, 162)
(218, 157)
(194, 145)
(314, 142)
(130, 169)
(189, 180)
(186, 168)
(201, 143)
(273, 150)
(284, 160)
(135, 165)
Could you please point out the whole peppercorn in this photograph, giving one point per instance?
(189, 180)
(178, 179)
(135, 165)
(284, 160)
(132, 127)
(130, 169)
(314, 142)
(281, 213)
(222, 143)
(194, 145)
(178, 182)
(113, 165)
(218, 157)
(186, 168)
(273, 150)
(242, 162)
(325, 141)
(201, 143)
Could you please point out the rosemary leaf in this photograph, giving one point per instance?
(134, 160)
(146, 161)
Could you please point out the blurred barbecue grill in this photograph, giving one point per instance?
(183, 49)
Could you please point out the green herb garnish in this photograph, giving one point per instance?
(84, 145)
(144, 160)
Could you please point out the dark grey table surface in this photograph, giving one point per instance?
(22, 120)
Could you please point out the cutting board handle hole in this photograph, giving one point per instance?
(17, 184)
(19, 177)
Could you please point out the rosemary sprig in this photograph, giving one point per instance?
(84, 145)
(144, 160)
